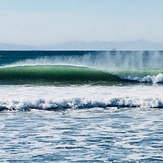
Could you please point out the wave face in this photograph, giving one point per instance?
(55, 74)
(51, 74)
(80, 67)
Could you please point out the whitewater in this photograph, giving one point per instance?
(55, 98)
(81, 106)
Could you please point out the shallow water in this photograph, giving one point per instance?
(82, 135)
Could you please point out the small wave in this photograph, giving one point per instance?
(80, 103)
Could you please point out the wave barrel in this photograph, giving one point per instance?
(51, 74)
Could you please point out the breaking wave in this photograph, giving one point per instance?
(81, 103)
(54, 73)
(64, 74)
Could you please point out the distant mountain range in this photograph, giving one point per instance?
(95, 45)
(6, 46)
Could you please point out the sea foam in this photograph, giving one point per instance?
(80, 97)
(147, 79)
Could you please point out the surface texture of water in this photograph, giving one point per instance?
(86, 135)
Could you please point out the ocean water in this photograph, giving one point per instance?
(81, 106)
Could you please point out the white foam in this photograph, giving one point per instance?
(22, 97)
(147, 79)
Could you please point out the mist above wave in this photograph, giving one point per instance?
(96, 59)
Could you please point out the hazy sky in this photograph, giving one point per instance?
(43, 22)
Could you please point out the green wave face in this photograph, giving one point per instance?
(50, 74)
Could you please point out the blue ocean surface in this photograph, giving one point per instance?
(81, 106)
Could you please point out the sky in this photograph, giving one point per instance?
(46, 22)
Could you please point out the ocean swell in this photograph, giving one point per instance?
(45, 74)
(66, 74)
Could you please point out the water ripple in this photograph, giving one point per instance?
(98, 135)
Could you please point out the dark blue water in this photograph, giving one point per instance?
(9, 57)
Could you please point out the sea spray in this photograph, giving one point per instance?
(96, 59)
